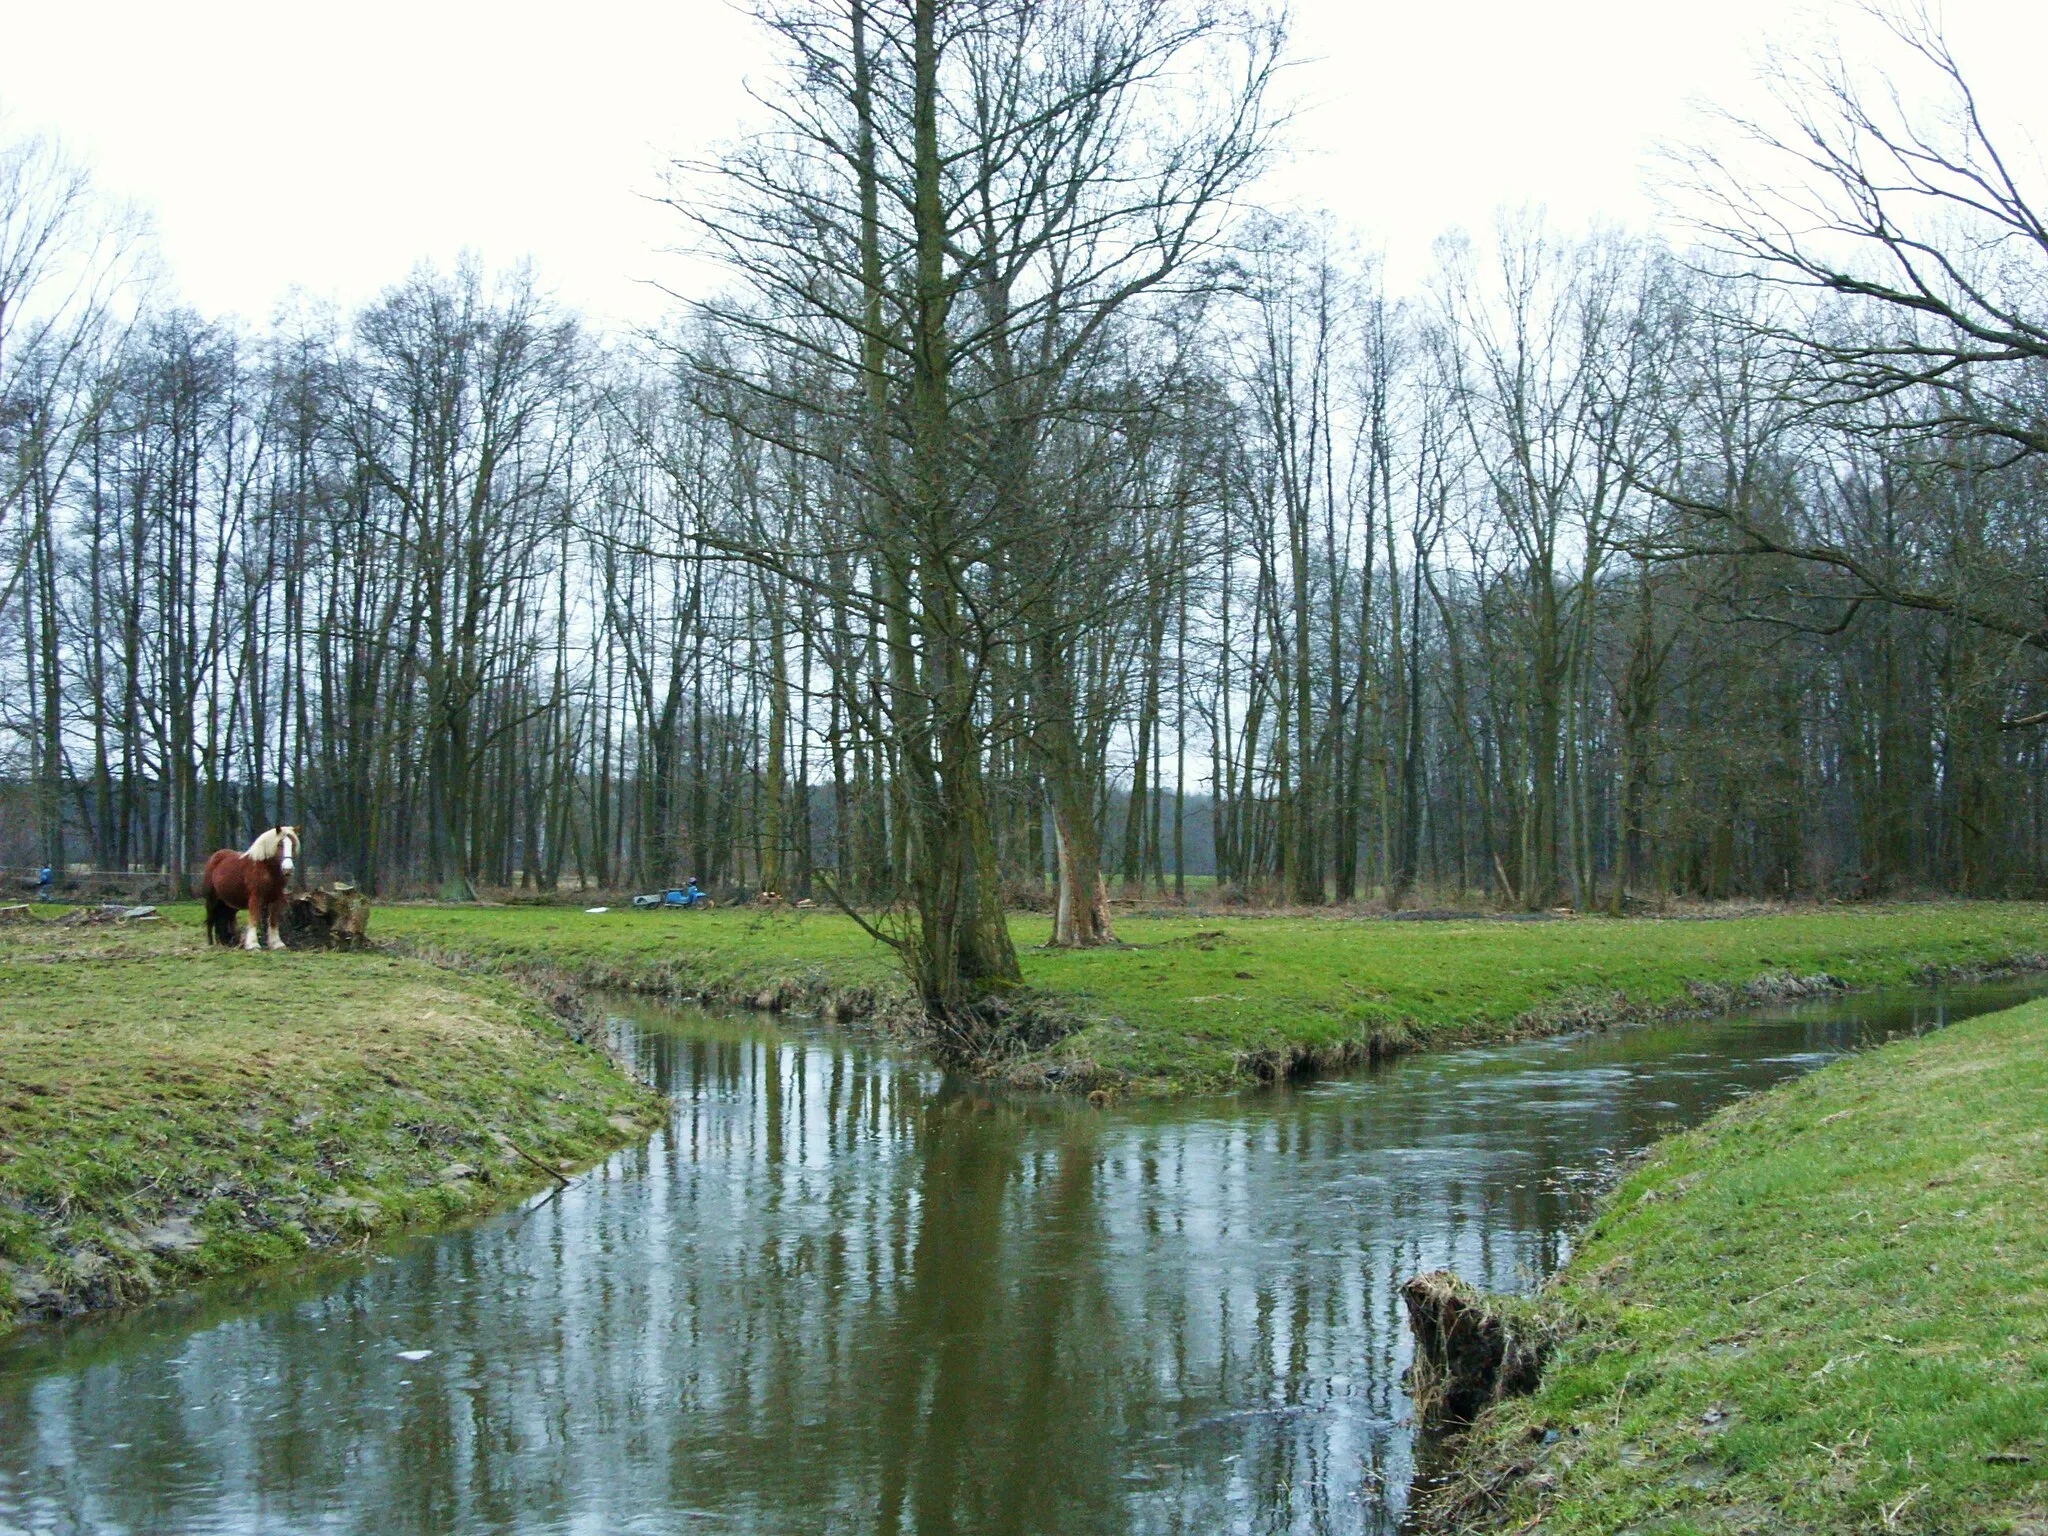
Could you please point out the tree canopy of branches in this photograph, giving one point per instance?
(1030, 523)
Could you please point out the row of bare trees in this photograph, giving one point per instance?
(1029, 520)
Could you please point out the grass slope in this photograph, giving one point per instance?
(1824, 1311)
(169, 1112)
(1202, 1004)
(728, 953)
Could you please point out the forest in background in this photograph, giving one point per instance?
(1029, 496)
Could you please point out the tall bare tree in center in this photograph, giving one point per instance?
(958, 197)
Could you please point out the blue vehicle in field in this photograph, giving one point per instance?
(683, 896)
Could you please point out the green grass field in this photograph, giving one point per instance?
(1824, 1311)
(169, 1112)
(1203, 1004)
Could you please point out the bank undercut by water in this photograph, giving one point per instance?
(1824, 1311)
(170, 1112)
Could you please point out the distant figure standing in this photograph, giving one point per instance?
(44, 880)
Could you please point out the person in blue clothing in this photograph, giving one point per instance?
(691, 895)
(43, 882)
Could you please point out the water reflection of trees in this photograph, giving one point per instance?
(838, 1295)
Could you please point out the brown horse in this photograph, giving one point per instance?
(257, 880)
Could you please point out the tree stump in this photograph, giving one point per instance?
(335, 918)
(1468, 1353)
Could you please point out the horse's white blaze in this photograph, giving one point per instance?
(271, 842)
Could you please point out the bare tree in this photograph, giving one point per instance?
(1921, 220)
(958, 199)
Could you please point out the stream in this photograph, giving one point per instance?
(842, 1292)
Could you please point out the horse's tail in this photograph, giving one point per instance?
(219, 920)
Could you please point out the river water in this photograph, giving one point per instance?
(842, 1293)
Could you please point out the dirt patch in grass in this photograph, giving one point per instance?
(169, 1112)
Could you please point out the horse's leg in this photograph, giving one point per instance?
(275, 940)
(250, 939)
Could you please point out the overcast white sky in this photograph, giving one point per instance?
(333, 146)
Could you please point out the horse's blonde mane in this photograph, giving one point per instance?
(265, 846)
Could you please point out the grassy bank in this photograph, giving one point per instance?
(169, 1112)
(1824, 1311)
(1202, 1004)
(786, 958)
